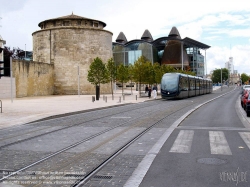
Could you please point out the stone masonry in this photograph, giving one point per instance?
(70, 42)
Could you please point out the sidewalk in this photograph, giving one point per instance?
(27, 109)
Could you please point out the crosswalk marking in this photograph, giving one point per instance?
(246, 137)
(218, 143)
(183, 142)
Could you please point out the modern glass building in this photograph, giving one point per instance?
(170, 50)
(128, 52)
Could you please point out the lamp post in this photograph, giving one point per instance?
(221, 78)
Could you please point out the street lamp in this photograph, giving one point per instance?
(221, 77)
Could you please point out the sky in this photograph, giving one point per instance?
(223, 25)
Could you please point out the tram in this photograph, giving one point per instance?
(178, 85)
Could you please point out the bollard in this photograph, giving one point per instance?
(1, 106)
(106, 98)
(93, 98)
(120, 99)
(123, 97)
(103, 97)
(136, 97)
(112, 97)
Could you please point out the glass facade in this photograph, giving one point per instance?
(129, 53)
(196, 61)
(170, 50)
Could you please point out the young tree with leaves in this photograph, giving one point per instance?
(111, 67)
(122, 75)
(139, 73)
(244, 78)
(216, 77)
(97, 74)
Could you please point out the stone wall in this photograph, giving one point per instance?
(70, 48)
(33, 78)
(5, 88)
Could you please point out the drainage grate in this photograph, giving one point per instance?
(103, 177)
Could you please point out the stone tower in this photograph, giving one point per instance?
(70, 42)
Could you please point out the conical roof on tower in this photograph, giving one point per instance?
(147, 36)
(174, 33)
(71, 17)
(121, 38)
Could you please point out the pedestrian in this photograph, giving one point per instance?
(155, 91)
(149, 92)
(146, 89)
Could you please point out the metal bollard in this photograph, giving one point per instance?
(120, 99)
(123, 97)
(1, 106)
(93, 98)
(106, 98)
(136, 97)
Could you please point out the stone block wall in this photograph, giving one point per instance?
(5, 88)
(33, 78)
(70, 48)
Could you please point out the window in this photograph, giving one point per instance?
(95, 24)
(65, 23)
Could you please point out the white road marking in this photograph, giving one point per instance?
(120, 117)
(183, 142)
(246, 137)
(218, 143)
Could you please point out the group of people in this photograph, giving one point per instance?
(149, 90)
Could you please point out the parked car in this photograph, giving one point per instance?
(245, 87)
(247, 106)
(244, 98)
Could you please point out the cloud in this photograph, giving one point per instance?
(218, 56)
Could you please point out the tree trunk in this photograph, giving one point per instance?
(97, 92)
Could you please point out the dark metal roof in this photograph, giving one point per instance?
(160, 43)
(193, 43)
(174, 33)
(70, 17)
(147, 36)
(121, 38)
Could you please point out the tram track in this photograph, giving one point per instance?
(160, 115)
(172, 112)
(66, 148)
(53, 131)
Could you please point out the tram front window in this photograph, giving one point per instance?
(169, 82)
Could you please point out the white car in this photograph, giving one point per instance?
(245, 87)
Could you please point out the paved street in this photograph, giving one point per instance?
(210, 147)
(192, 146)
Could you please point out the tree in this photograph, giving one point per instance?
(15, 53)
(97, 74)
(139, 73)
(130, 75)
(122, 74)
(158, 73)
(216, 77)
(111, 68)
(244, 77)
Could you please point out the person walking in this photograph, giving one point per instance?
(146, 90)
(154, 91)
(149, 92)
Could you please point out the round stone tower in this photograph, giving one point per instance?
(71, 43)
